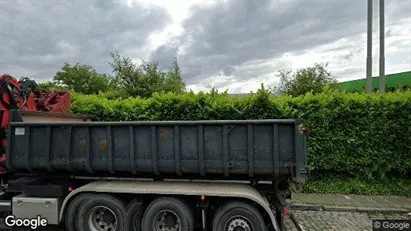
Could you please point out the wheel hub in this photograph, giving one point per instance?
(167, 221)
(238, 224)
(102, 218)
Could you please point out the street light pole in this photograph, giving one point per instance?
(369, 48)
(382, 48)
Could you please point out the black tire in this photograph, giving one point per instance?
(178, 207)
(70, 219)
(116, 215)
(134, 216)
(244, 213)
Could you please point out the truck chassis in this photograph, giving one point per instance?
(94, 204)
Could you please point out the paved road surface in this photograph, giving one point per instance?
(324, 221)
(318, 220)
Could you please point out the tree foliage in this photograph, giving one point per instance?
(147, 78)
(174, 80)
(309, 79)
(50, 86)
(130, 79)
(82, 78)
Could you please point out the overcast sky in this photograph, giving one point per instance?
(232, 44)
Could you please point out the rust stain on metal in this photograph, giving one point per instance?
(303, 128)
(82, 144)
(209, 135)
(103, 145)
(184, 170)
(163, 133)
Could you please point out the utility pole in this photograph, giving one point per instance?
(369, 48)
(382, 48)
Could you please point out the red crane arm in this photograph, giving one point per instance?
(23, 95)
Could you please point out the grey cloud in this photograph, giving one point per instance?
(233, 32)
(389, 33)
(165, 54)
(346, 72)
(256, 69)
(37, 37)
(349, 56)
(228, 70)
(233, 38)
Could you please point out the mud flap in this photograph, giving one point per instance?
(281, 209)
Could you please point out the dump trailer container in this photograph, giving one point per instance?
(213, 175)
(242, 150)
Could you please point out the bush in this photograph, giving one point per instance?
(399, 187)
(366, 136)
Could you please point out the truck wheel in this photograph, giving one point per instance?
(101, 213)
(238, 216)
(71, 214)
(168, 213)
(134, 215)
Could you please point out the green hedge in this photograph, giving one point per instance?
(336, 185)
(355, 135)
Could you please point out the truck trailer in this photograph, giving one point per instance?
(152, 175)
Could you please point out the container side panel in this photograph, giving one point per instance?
(59, 147)
(213, 146)
(238, 143)
(189, 142)
(263, 149)
(237, 150)
(165, 144)
(189, 149)
(200, 138)
(80, 150)
(38, 158)
(286, 138)
(131, 150)
(99, 148)
(177, 150)
(19, 145)
(120, 148)
(142, 139)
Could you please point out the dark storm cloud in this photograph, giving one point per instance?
(233, 32)
(235, 38)
(165, 54)
(228, 70)
(38, 36)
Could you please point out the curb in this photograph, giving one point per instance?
(295, 221)
(311, 207)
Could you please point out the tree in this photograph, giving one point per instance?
(174, 80)
(145, 79)
(50, 86)
(309, 79)
(82, 78)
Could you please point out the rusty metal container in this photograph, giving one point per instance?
(242, 150)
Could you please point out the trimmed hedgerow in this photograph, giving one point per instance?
(358, 135)
(336, 185)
